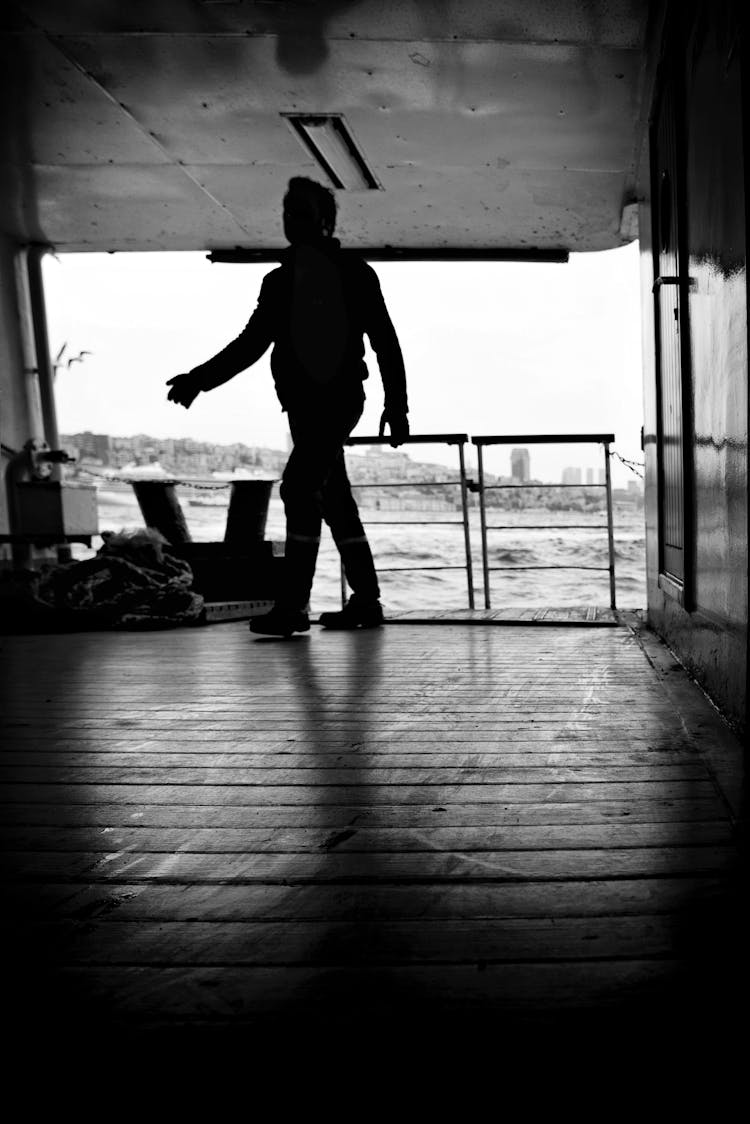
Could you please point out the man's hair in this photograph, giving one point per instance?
(323, 197)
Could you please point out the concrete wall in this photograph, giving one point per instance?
(710, 633)
(13, 424)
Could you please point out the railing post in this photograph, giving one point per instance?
(467, 534)
(610, 527)
(483, 524)
(343, 583)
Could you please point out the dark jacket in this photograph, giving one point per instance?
(315, 309)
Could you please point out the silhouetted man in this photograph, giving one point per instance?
(315, 309)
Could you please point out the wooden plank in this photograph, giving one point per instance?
(364, 840)
(227, 706)
(444, 941)
(500, 707)
(505, 866)
(540, 689)
(553, 696)
(571, 615)
(328, 741)
(378, 727)
(503, 715)
(466, 815)
(537, 673)
(240, 994)
(365, 795)
(80, 903)
(366, 775)
(349, 758)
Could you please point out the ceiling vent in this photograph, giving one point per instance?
(328, 139)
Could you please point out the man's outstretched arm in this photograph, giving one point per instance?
(382, 336)
(255, 338)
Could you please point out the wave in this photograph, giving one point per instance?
(413, 556)
(629, 581)
(513, 556)
(629, 551)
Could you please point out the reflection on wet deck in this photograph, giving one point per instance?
(505, 825)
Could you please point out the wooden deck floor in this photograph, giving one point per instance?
(505, 826)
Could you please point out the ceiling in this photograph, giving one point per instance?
(491, 125)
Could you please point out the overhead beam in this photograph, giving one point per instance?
(416, 253)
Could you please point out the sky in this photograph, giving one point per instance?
(489, 347)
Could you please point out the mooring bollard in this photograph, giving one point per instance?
(161, 509)
(248, 511)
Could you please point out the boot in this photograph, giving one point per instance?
(300, 556)
(359, 568)
(357, 613)
(280, 622)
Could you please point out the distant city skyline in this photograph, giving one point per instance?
(189, 454)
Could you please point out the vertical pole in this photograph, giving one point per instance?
(45, 376)
(610, 527)
(32, 394)
(32, 400)
(343, 584)
(467, 535)
(483, 523)
(45, 370)
(342, 572)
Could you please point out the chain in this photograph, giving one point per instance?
(632, 465)
(200, 487)
(204, 487)
(215, 486)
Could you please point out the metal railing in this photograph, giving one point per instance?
(481, 443)
(458, 439)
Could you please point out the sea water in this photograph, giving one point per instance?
(400, 541)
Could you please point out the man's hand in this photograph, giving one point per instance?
(184, 390)
(398, 423)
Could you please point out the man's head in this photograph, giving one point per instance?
(309, 211)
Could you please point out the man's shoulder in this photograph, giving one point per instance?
(357, 267)
(272, 284)
(356, 259)
(273, 277)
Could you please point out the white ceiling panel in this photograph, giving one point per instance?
(489, 125)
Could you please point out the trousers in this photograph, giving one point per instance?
(315, 487)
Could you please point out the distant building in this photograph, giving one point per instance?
(94, 446)
(571, 476)
(520, 465)
(589, 476)
(601, 476)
